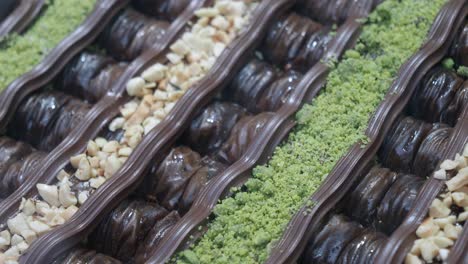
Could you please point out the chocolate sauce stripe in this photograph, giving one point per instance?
(21, 17)
(100, 115)
(402, 239)
(51, 65)
(124, 181)
(238, 173)
(349, 166)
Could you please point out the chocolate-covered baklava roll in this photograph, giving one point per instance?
(12, 178)
(327, 245)
(434, 94)
(154, 237)
(209, 169)
(12, 151)
(296, 42)
(278, 93)
(72, 113)
(249, 84)
(363, 249)
(330, 11)
(242, 136)
(6, 7)
(36, 115)
(85, 256)
(119, 234)
(430, 151)
(167, 9)
(402, 143)
(397, 202)
(166, 184)
(459, 50)
(130, 33)
(362, 203)
(211, 128)
(76, 78)
(455, 108)
(103, 82)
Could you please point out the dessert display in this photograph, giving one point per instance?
(167, 136)
(21, 53)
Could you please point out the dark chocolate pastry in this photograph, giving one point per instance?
(363, 249)
(70, 117)
(242, 137)
(167, 185)
(331, 11)
(430, 151)
(296, 42)
(455, 108)
(210, 168)
(130, 33)
(434, 94)
(459, 49)
(101, 84)
(119, 234)
(327, 245)
(85, 256)
(278, 93)
(402, 143)
(17, 172)
(76, 78)
(6, 7)
(211, 128)
(361, 204)
(249, 84)
(12, 151)
(36, 115)
(166, 9)
(397, 202)
(154, 237)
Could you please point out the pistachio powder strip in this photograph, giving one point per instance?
(20, 53)
(246, 224)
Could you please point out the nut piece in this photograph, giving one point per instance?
(440, 175)
(39, 227)
(5, 238)
(49, 193)
(460, 180)
(66, 196)
(429, 250)
(136, 86)
(449, 165)
(75, 160)
(438, 209)
(427, 228)
(155, 73)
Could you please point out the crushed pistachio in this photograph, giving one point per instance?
(20, 53)
(247, 225)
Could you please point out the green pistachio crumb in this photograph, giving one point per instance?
(247, 225)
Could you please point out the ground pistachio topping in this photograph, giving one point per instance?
(247, 225)
(447, 214)
(154, 93)
(20, 53)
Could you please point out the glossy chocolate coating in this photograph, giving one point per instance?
(453, 111)
(12, 151)
(155, 235)
(434, 94)
(6, 7)
(363, 249)
(296, 42)
(459, 49)
(362, 203)
(402, 143)
(211, 128)
(249, 84)
(242, 136)
(431, 150)
(168, 183)
(397, 202)
(86, 256)
(166, 9)
(119, 234)
(17, 173)
(131, 33)
(278, 93)
(210, 168)
(101, 84)
(329, 11)
(326, 246)
(76, 78)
